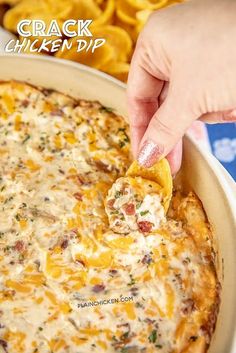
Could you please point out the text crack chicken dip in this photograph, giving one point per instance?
(78, 277)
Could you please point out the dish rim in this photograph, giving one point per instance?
(221, 177)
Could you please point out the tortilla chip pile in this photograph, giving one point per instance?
(118, 21)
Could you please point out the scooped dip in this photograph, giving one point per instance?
(134, 204)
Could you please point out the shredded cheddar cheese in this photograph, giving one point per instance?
(70, 282)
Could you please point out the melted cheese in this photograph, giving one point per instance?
(69, 283)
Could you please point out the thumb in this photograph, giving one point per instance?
(165, 130)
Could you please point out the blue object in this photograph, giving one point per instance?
(223, 143)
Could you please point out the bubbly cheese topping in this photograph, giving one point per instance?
(68, 282)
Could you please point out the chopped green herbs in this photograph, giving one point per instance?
(26, 139)
(17, 217)
(132, 281)
(124, 138)
(124, 336)
(117, 194)
(158, 346)
(153, 336)
(106, 109)
(124, 350)
(143, 213)
(138, 204)
(122, 144)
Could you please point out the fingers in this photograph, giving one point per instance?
(175, 158)
(227, 116)
(165, 130)
(164, 93)
(142, 93)
(198, 131)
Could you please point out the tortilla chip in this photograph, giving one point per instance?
(160, 173)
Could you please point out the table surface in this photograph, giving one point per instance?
(222, 138)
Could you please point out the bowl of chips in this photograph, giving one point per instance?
(200, 171)
(119, 22)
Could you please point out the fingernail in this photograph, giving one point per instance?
(149, 153)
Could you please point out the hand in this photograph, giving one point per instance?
(183, 69)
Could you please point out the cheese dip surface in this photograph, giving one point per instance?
(72, 279)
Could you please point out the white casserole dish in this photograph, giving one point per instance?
(202, 172)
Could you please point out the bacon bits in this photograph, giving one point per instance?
(189, 306)
(19, 246)
(98, 288)
(113, 272)
(82, 179)
(145, 226)
(102, 166)
(81, 262)
(110, 203)
(78, 196)
(57, 112)
(25, 103)
(129, 209)
(64, 244)
(147, 259)
(3, 344)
